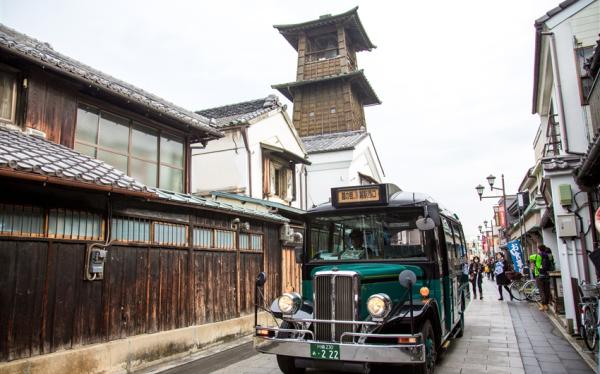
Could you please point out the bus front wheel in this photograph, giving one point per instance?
(428, 367)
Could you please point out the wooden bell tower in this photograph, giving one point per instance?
(330, 92)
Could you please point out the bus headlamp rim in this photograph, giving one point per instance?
(381, 301)
(289, 303)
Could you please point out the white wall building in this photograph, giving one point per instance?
(261, 155)
(340, 159)
(565, 37)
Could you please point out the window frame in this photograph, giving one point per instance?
(135, 123)
(273, 164)
(7, 70)
(579, 68)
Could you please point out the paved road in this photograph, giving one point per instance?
(500, 337)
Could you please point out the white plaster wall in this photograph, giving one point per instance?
(579, 27)
(276, 131)
(339, 169)
(329, 169)
(222, 164)
(569, 251)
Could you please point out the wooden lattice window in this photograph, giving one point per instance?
(224, 239)
(74, 224)
(128, 229)
(203, 238)
(170, 234)
(244, 242)
(256, 242)
(21, 220)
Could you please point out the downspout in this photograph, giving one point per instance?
(244, 131)
(555, 71)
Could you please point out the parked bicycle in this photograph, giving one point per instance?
(590, 293)
(524, 289)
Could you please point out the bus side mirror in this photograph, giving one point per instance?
(425, 223)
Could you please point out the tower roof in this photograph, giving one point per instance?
(349, 19)
(357, 78)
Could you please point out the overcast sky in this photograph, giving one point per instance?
(455, 77)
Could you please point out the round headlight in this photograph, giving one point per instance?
(289, 303)
(379, 305)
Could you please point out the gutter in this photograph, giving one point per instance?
(72, 183)
(244, 131)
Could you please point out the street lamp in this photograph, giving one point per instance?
(491, 180)
(481, 231)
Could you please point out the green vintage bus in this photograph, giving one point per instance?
(384, 281)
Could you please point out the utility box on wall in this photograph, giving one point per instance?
(566, 225)
(565, 194)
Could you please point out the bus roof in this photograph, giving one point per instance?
(396, 200)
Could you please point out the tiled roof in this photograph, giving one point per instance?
(43, 54)
(357, 78)
(349, 19)
(240, 113)
(34, 155)
(216, 205)
(333, 142)
(554, 11)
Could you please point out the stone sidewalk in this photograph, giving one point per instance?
(543, 347)
(489, 344)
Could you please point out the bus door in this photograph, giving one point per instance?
(440, 258)
(461, 270)
(449, 277)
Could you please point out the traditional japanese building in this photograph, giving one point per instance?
(329, 96)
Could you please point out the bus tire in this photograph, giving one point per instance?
(288, 366)
(428, 367)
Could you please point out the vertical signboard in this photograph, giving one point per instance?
(516, 253)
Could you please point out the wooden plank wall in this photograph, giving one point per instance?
(51, 108)
(47, 306)
(291, 276)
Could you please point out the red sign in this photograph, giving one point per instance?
(501, 216)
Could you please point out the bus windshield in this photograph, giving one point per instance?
(367, 237)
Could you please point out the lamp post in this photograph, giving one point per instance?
(491, 179)
(481, 231)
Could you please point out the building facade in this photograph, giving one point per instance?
(565, 39)
(260, 156)
(106, 262)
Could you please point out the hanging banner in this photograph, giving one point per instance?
(516, 252)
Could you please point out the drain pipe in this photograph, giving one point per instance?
(244, 131)
(555, 71)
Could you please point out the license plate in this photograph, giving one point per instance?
(325, 351)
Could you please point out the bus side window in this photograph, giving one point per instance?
(461, 248)
(450, 248)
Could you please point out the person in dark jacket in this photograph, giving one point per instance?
(476, 276)
(543, 280)
(500, 268)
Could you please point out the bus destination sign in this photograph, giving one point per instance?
(359, 195)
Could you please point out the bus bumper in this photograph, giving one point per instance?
(412, 353)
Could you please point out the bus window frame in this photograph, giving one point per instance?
(429, 250)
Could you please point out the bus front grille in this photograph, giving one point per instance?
(335, 298)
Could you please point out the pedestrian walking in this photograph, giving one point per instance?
(487, 270)
(500, 269)
(492, 264)
(476, 277)
(543, 278)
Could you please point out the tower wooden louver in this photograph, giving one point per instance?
(330, 92)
